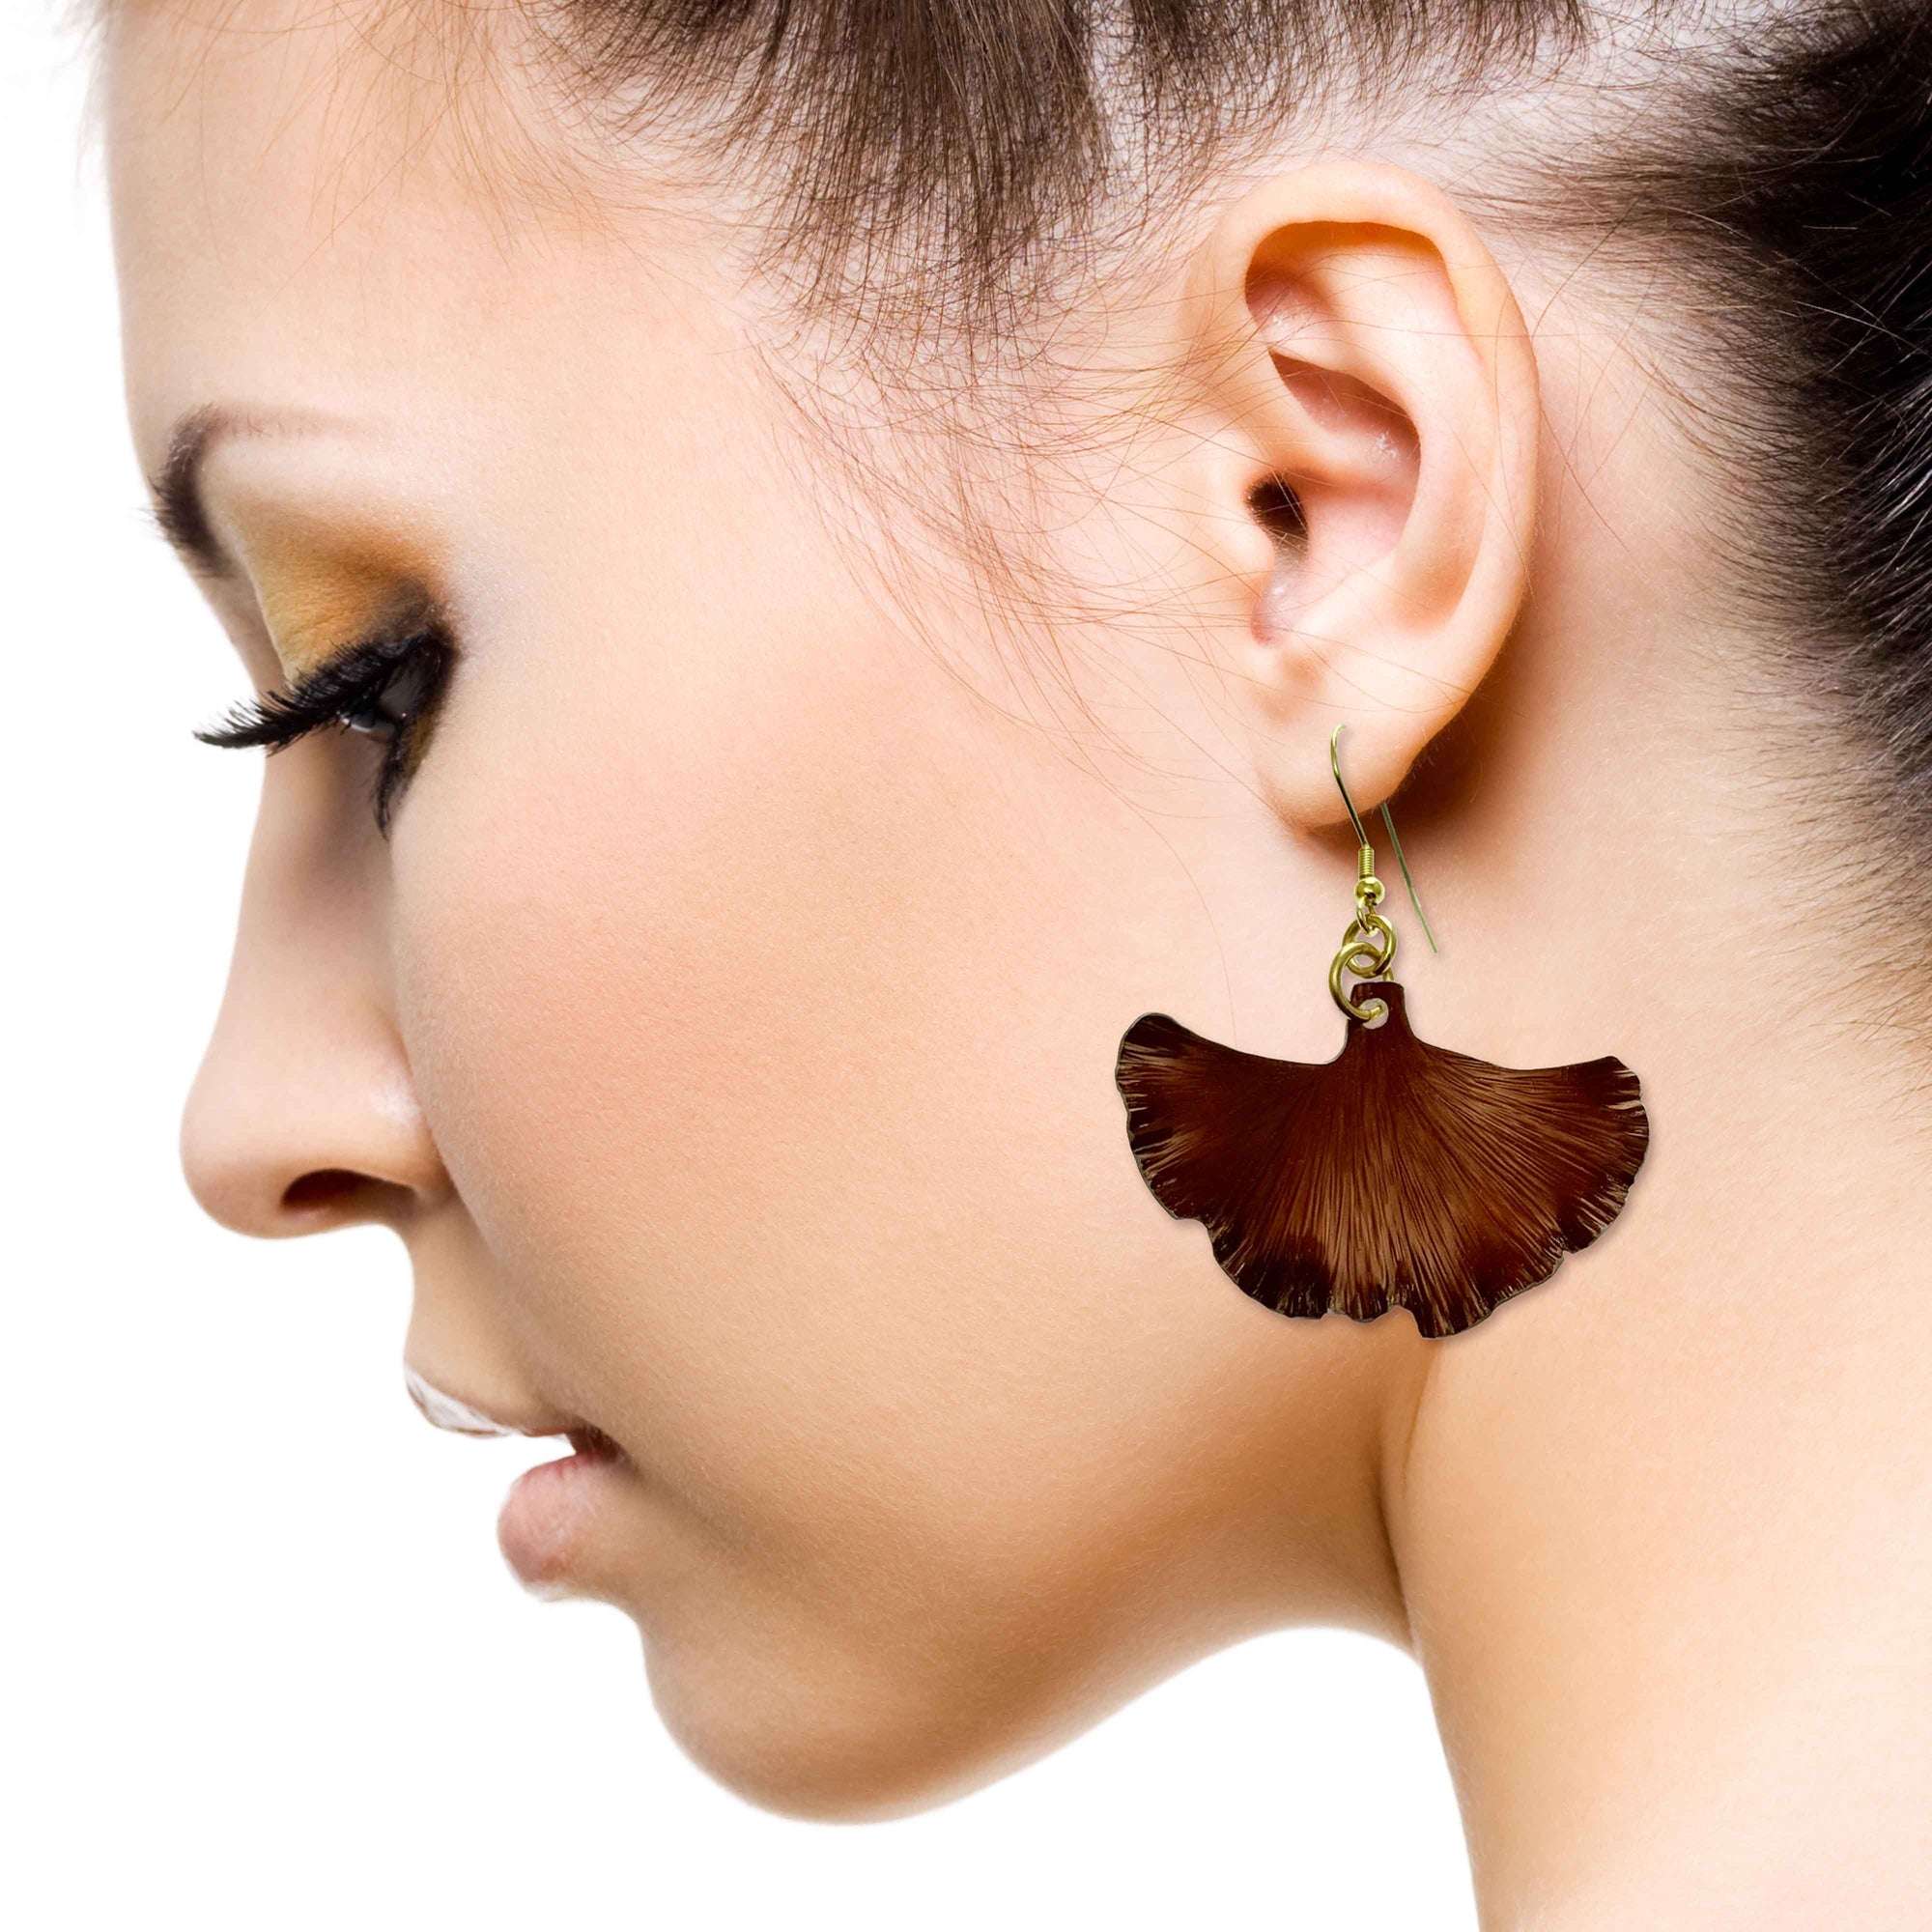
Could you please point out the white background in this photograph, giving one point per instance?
(262, 1666)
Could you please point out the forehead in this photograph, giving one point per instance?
(345, 207)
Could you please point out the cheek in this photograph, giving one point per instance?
(772, 1063)
(762, 992)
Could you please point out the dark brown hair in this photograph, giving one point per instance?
(933, 166)
(933, 173)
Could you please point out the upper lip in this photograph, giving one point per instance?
(468, 1418)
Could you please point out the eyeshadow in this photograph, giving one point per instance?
(318, 598)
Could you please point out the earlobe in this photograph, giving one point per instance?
(1370, 487)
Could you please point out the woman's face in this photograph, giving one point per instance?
(728, 1023)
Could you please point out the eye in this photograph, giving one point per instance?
(385, 689)
(385, 711)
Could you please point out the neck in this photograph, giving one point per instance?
(1662, 1524)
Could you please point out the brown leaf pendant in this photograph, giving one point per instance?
(1397, 1175)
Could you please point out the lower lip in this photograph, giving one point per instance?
(544, 1515)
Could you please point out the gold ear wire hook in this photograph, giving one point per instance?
(1368, 850)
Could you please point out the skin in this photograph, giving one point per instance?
(728, 1026)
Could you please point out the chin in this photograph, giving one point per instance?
(839, 1739)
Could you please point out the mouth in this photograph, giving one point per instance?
(462, 1417)
(546, 1516)
(543, 1520)
(591, 1443)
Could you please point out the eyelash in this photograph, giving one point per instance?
(346, 692)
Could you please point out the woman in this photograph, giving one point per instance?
(803, 567)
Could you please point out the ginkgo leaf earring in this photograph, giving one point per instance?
(1397, 1175)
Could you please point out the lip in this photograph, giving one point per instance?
(540, 1525)
(547, 1511)
(454, 1412)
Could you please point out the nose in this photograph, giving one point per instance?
(303, 1115)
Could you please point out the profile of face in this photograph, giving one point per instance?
(723, 1004)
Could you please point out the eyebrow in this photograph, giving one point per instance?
(178, 510)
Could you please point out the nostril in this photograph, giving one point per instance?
(323, 1188)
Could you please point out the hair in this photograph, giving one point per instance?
(939, 173)
(936, 177)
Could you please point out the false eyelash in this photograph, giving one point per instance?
(330, 694)
(278, 717)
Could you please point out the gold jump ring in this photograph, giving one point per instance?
(1366, 959)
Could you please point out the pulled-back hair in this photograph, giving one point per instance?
(921, 152)
(936, 163)
(942, 172)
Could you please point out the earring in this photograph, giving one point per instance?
(1397, 1175)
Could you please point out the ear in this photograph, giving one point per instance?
(1368, 484)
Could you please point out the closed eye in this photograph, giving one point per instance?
(383, 688)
